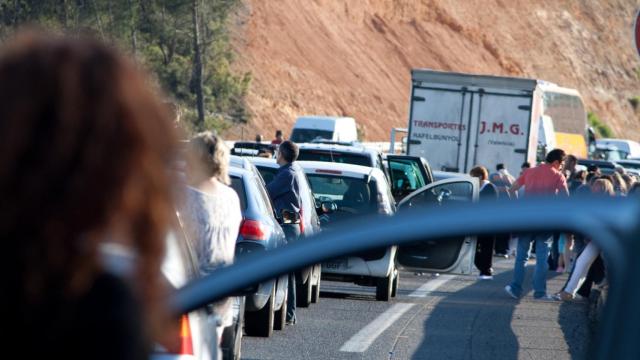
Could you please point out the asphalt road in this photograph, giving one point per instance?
(443, 317)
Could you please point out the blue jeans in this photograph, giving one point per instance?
(543, 241)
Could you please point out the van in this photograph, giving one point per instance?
(626, 148)
(332, 128)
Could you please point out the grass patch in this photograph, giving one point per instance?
(602, 129)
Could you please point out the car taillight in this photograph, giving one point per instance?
(253, 230)
(178, 340)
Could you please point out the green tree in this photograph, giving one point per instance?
(183, 42)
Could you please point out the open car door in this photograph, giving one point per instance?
(407, 173)
(451, 256)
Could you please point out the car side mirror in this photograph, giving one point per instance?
(328, 207)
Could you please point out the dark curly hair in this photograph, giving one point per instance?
(84, 147)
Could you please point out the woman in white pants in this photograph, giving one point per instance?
(590, 252)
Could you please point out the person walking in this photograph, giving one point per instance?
(284, 192)
(484, 247)
(85, 145)
(543, 180)
(502, 180)
(211, 212)
(602, 187)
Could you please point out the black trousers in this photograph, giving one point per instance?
(595, 275)
(502, 243)
(291, 232)
(484, 254)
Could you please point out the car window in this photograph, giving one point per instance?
(353, 194)
(308, 135)
(264, 196)
(335, 156)
(268, 173)
(455, 191)
(406, 175)
(238, 185)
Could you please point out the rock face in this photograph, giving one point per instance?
(353, 58)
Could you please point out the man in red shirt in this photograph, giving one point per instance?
(543, 180)
(279, 139)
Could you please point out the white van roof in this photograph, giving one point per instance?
(320, 122)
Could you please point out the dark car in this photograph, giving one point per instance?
(247, 148)
(606, 167)
(307, 279)
(266, 308)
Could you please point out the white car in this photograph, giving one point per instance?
(353, 154)
(350, 191)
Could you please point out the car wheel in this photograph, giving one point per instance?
(396, 280)
(281, 315)
(232, 337)
(383, 288)
(303, 293)
(260, 323)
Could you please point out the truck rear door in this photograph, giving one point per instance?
(438, 126)
(499, 130)
(458, 121)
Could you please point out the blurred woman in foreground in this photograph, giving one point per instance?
(84, 147)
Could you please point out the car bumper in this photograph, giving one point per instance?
(356, 266)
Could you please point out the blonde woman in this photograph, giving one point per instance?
(212, 210)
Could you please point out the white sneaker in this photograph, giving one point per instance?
(549, 298)
(485, 277)
(509, 291)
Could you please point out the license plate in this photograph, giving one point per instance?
(336, 264)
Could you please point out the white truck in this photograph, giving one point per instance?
(458, 121)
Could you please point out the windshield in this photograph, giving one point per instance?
(352, 196)
(335, 156)
(307, 135)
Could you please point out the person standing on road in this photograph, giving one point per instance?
(212, 212)
(279, 139)
(502, 180)
(85, 145)
(284, 192)
(543, 180)
(484, 248)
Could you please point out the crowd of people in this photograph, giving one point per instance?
(562, 252)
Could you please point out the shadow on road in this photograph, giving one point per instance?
(474, 322)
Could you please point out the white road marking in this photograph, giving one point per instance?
(430, 286)
(361, 341)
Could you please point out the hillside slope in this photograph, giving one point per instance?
(354, 57)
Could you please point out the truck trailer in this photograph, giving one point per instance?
(458, 121)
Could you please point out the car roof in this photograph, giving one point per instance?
(354, 149)
(441, 175)
(239, 172)
(349, 170)
(239, 161)
(257, 160)
(628, 161)
(599, 163)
